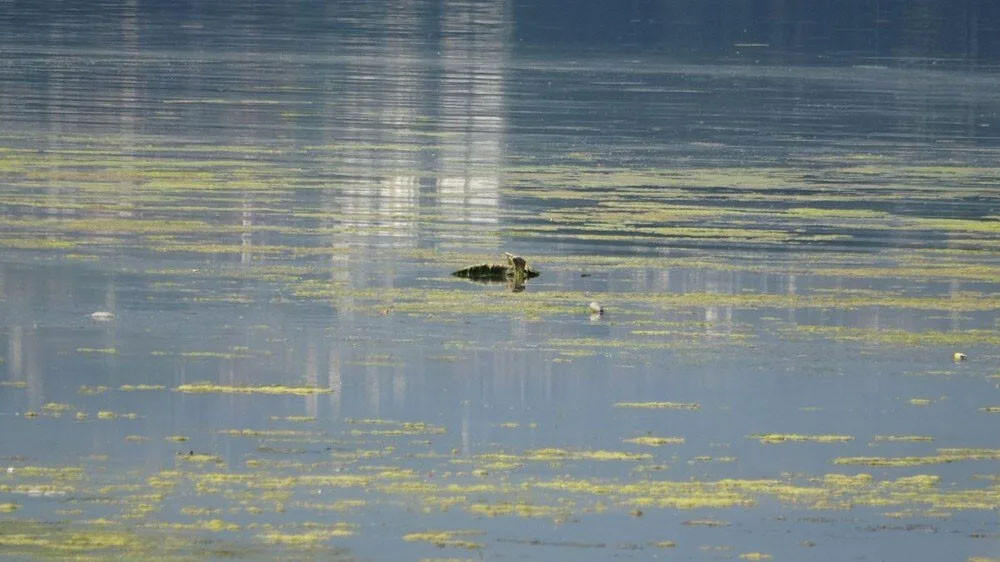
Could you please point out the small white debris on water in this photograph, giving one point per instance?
(959, 356)
(102, 316)
(596, 307)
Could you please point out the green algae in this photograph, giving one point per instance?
(296, 419)
(389, 427)
(903, 337)
(307, 538)
(514, 495)
(943, 456)
(446, 539)
(200, 458)
(43, 542)
(518, 509)
(813, 212)
(140, 387)
(102, 350)
(558, 498)
(768, 438)
(706, 523)
(659, 405)
(273, 434)
(37, 243)
(655, 441)
(437, 302)
(195, 511)
(207, 388)
(211, 525)
(91, 390)
(555, 454)
(339, 505)
(101, 539)
(56, 407)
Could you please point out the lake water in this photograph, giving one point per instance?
(267, 205)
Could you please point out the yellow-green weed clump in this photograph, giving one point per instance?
(655, 441)
(795, 437)
(948, 455)
(659, 405)
(137, 387)
(446, 539)
(306, 538)
(207, 388)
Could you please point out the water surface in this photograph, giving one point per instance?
(270, 206)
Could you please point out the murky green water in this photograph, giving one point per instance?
(789, 258)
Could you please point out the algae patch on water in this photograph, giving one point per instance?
(904, 337)
(795, 437)
(102, 350)
(519, 509)
(655, 441)
(101, 540)
(208, 388)
(91, 390)
(706, 523)
(308, 537)
(138, 387)
(943, 456)
(554, 454)
(659, 405)
(391, 427)
(755, 556)
(446, 539)
(199, 458)
(281, 223)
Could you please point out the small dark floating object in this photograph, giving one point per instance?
(515, 269)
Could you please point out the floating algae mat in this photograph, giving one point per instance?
(282, 365)
(201, 388)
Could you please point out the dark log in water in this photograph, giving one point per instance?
(515, 267)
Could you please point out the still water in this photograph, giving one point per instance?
(269, 204)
